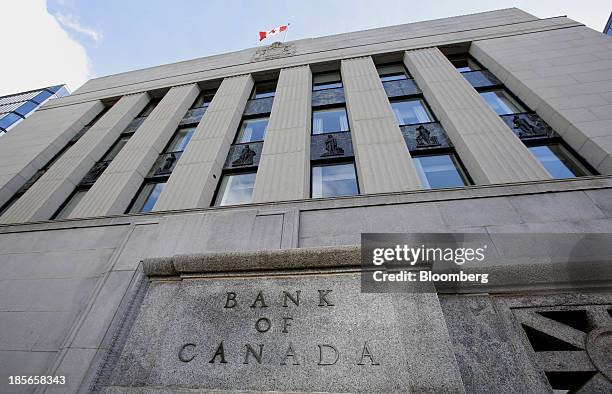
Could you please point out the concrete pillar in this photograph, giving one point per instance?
(381, 155)
(117, 186)
(565, 76)
(284, 167)
(194, 179)
(56, 185)
(491, 152)
(31, 144)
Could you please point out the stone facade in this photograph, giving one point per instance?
(122, 302)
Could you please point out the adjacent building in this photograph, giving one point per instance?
(608, 29)
(16, 107)
(196, 225)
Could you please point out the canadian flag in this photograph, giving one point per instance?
(265, 34)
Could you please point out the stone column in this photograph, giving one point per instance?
(56, 185)
(381, 155)
(31, 144)
(194, 179)
(565, 76)
(284, 167)
(491, 152)
(113, 191)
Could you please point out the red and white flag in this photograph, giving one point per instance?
(265, 34)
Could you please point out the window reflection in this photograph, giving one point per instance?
(236, 189)
(148, 196)
(439, 171)
(334, 180)
(252, 130)
(181, 139)
(558, 161)
(70, 205)
(411, 112)
(329, 121)
(501, 102)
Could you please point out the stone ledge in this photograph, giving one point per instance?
(286, 259)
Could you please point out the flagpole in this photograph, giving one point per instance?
(286, 30)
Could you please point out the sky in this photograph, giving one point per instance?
(71, 41)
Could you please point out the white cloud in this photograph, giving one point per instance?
(39, 52)
(71, 22)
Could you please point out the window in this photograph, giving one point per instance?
(116, 148)
(334, 180)
(411, 112)
(264, 90)
(558, 161)
(203, 99)
(439, 171)
(147, 197)
(329, 121)
(70, 204)
(149, 108)
(236, 189)
(391, 72)
(252, 130)
(465, 64)
(180, 140)
(501, 102)
(329, 80)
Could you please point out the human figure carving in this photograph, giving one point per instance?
(331, 147)
(424, 137)
(246, 157)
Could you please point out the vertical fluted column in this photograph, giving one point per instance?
(113, 191)
(381, 155)
(284, 167)
(194, 179)
(558, 77)
(52, 189)
(31, 144)
(491, 152)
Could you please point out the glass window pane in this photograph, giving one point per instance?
(501, 102)
(149, 108)
(181, 139)
(334, 180)
(116, 148)
(236, 189)
(252, 130)
(70, 205)
(411, 112)
(438, 171)
(147, 197)
(329, 121)
(392, 72)
(465, 64)
(558, 161)
(263, 90)
(326, 81)
(203, 99)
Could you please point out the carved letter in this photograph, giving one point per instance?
(266, 325)
(322, 300)
(219, 352)
(182, 357)
(286, 323)
(259, 298)
(366, 353)
(295, 300)
(230, 302)
(321, 355)
(290, 353)
(249, 350)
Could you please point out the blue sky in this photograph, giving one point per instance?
(118, 36)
